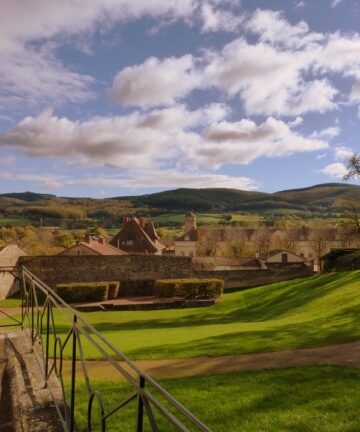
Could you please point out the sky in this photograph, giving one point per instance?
(106, 98)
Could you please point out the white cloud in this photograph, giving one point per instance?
(31, 31)
(244, 141)
(168, 179)
(343, 152)
(330, 132)
(272, 27)
(297, 62)
(217, 19)
(155, 82)
(297, 122)
(337, 170)
(335, 3)
(134, 179)
(138, 140)
(44, 181)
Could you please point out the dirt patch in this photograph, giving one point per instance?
(347, 354)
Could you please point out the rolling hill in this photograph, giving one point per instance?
(318, 200)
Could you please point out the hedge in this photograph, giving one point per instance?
(78, 292)
(114, 290)
(189, 288)
(137, 287)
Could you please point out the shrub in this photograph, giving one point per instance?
(138, 287)
(114, 288)
(78, 292)
(189, 288)
(165, 287)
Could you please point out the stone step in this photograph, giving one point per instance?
(33, 407)
(5, 393)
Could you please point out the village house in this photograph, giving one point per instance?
(138, 236)
(93, 246)
(186, 244)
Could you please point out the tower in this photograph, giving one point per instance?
(190, 222)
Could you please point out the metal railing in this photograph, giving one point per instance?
(50, 340)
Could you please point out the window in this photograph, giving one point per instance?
(284, 258)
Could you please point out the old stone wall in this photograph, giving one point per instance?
(61, 268)
(252, 278)
(8, 261)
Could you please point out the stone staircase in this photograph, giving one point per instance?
(25, 403)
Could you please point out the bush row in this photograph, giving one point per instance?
(78, 292)
(189, 288)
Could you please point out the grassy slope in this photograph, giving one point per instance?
(302, 313)
(296, 399)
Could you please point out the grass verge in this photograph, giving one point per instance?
(306, 399)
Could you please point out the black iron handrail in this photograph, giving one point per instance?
(39, 323)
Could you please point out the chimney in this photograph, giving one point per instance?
(87, 238)
(101, 240)
(125, 220)
(142, 222)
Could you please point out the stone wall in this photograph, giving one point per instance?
(252, 278)
(61, 268)
(8, 261)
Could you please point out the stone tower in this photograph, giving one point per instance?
(190, 222)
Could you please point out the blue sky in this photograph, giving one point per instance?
(121, 97)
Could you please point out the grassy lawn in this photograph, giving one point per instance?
(318, 399)
(14, 301)
(306, 312)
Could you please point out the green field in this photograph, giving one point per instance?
(16, 221)
(321, 398)
(204, 218)
(309, 312)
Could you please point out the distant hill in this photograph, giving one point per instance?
(318, 200)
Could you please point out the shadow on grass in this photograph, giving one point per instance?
(258, 305)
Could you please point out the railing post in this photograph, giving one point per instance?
(32, 313)
(47, 341)
(73, 373)
(140, 406)
(22, 291)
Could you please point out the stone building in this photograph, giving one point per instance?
(186, 244)
(137, 236)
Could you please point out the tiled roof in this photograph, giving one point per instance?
(103, 249)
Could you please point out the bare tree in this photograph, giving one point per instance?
(288, 239)
(351, 207)
(353, 167)
(319, 238)
(262, 241)
(207, 244)
(235, 239)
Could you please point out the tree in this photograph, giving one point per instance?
(351, 206)
(262, 241)
(320, 236)
(353, 167)
(207, 244)
(235, 239)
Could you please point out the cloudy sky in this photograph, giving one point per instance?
(114, 97)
